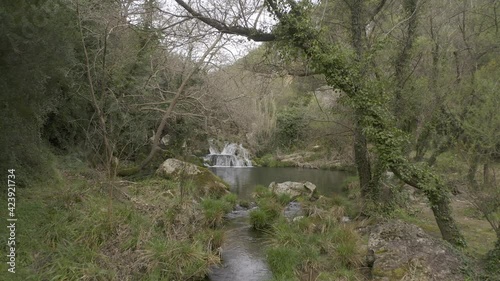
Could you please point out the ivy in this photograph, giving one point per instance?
(297, 36)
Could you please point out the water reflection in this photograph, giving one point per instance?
(244, 180)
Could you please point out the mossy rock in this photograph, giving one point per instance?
(205, 182)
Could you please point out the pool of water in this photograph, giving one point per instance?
(244, 180)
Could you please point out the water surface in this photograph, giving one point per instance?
(244, 180)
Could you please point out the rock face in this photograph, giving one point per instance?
(293, 189)
(401, 251)
(205, 182)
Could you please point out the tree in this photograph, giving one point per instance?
(295, 33)
(36, 40)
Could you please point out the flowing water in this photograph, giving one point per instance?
(242, 251)
(231, 155)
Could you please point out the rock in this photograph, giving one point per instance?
(205, 182)
(401, 251)
(292, 211)
(293, 189)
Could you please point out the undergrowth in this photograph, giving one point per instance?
(317, 246)
(72, 230)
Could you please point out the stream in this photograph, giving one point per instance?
(242, 251)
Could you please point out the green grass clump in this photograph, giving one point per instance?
(230, 198)
(244, 203)
(344, 243)
(283, 262)
(283, 199)
(212, 238)
(316, 245)
(262, 192)
(259, 219)
(269, 210)
(214, 211)
(175, 260)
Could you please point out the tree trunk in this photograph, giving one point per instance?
(401, 65)
(361, 156)
(447, 226)
(437, 194)
(363, 165)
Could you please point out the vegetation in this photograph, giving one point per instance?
(72, 231)
(317, 245)
(94, 95)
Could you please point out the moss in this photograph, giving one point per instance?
(391, 275)
(128, 171)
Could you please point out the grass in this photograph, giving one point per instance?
(283, 261)
(316, 247)
(72, 230)
(214, 211)
(269, 210)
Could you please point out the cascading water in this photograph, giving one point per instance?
(232, 155)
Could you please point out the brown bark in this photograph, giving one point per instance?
(108, 151)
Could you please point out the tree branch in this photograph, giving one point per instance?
(251, 33)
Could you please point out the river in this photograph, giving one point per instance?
(242, 251)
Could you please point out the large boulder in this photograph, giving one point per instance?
(401, 251)
(293, 189)
(205, 182)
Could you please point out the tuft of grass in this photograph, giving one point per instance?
(259, 219)
(176, 260)
(211, 238)
(283, 262)
(244, 203)
(345, 246)
(231, 198)
(214, 211)
(283, 199)
(262, 192)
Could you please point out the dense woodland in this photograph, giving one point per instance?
(99, 93)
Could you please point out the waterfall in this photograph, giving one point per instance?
(232, 155)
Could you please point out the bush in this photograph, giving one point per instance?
(290, 127)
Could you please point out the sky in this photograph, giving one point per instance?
(242, 12)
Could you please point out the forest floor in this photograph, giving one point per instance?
(478, 233)
(83, 226)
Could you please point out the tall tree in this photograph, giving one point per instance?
(295, 31)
